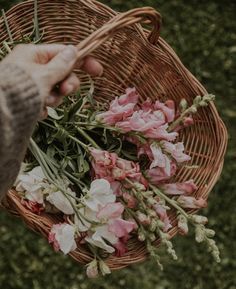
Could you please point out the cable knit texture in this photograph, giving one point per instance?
(20, 105)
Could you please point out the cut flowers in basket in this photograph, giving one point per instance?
(109, 171)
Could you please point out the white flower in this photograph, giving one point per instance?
(63, 237)
(100, 194)
(61, 202)
(82, 224)
(97, 239)
(33, 184)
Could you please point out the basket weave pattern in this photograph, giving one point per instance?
(132, 56)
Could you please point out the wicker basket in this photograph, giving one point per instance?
(131, 57)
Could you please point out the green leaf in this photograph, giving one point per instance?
(53, 114)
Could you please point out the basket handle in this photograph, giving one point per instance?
(139, 15)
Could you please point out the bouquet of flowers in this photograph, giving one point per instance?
(108, 169)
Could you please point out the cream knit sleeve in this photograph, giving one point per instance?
(20, 105)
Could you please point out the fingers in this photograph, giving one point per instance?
(92, 66)
(62, 64)
(69, 85)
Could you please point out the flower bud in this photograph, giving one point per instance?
(152, 237)
(139, 187)
(193, 109)
(200, 234)
(104, 268)
(153, 225)
(118, 174)
(92, 269)
(182, 225)
(143, 219)
(199, 219)
(141, 237)
(183, 104)
(210, 233)
(197, 99)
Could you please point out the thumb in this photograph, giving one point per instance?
(62, 64)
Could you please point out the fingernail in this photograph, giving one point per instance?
(69, 53)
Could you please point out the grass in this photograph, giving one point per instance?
(203, 35)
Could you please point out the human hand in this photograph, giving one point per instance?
(52, 64)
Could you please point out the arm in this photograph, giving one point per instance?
(28, 76)
(20, 105)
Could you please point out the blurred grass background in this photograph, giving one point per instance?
(203, 33)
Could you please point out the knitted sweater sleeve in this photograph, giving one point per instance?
(20, 105)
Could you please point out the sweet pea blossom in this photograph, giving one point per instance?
(61, 202)
(62, 236)
(100, 194)
(120, 108)
(187, 187)
(176, 151)
(33, 184)
(111, 228)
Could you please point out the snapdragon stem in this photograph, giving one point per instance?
(179, 119)
(67, 134)
(168, 200)
(87, 137)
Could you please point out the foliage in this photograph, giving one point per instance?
(203, 35)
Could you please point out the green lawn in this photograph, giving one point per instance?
(203, 33)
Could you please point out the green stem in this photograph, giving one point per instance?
(87, 137)
(36, 22)
(169, 201)
(7, 26)
(68, 135)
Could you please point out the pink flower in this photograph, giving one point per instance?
(141, 121)
(121, 248)
(179, 188)
(147, 105)
(102, 163)
(121, 228)
(168, 108)
(191, 202)
(62, 237)
(34, 207)
(162, 213)
(130, 200)
(160, 160)
(110, 211)
(120, 108)
(161, 133)
(176, 151)
(130, 96)
(116, 188)
(187, 121)
(158, 175)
